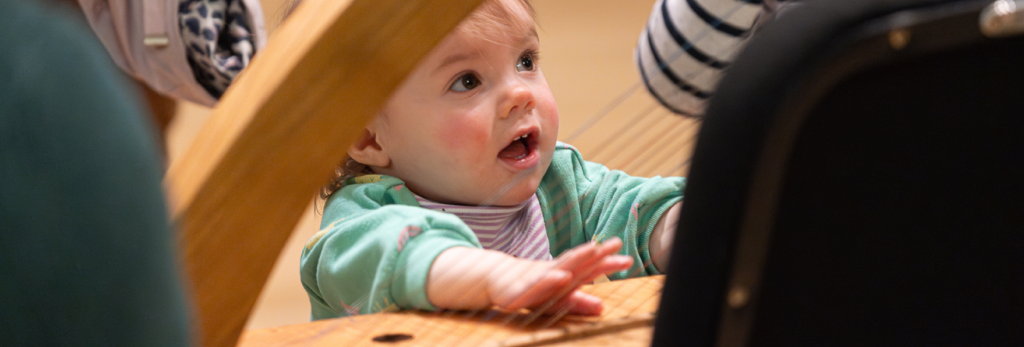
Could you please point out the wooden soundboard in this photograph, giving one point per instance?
(627, 320)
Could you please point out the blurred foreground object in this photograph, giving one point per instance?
(857, 182)
(86, 253)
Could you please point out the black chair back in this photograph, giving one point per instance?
(859, 180)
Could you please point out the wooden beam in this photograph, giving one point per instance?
(277, 134)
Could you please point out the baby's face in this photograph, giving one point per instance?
(475, 123)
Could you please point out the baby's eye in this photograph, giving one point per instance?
(526, 62)
(465, 83)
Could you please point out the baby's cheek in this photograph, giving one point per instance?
(463, 134)
(549, 110)
(552, 119)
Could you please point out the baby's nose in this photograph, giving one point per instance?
(519, 98)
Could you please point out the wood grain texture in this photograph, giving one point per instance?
(631, 301)
(277, 134)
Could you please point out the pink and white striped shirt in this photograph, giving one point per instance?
(515, 230)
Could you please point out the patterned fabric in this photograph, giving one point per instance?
(687, 44)
(219, 40)
(517, 230)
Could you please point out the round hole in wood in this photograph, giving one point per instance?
(392, 338)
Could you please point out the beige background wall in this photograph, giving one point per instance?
(587, 56)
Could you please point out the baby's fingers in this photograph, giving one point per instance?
(611, 264)
(610, 246)
(587, 254)
(549, 283)
(578, 256)
(577, 303)
(583, 269)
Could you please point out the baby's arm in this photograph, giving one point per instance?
(662, 236)
(609, 203)
(473, 278)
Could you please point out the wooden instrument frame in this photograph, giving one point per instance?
(234, 212)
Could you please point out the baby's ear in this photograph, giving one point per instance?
(367, 150)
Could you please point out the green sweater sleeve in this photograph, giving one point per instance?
(374, 252)
(586, 201)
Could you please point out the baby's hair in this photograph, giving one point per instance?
(493, 17)
(499, 17)
(503, 15)
(348, 168)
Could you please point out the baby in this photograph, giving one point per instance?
(457, 194)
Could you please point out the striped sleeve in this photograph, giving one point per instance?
(688, 43)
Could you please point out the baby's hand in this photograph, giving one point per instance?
(553, 285)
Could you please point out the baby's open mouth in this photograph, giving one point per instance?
(518, 149)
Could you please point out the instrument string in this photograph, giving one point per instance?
(625, 140)
(668, 153)
(648, 146)
(660, 146)
(640, 117)
(679, 168)
(655, 295)
(603, 112)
